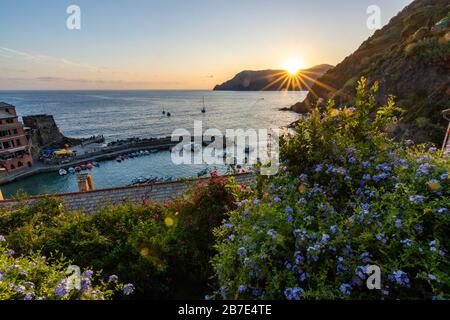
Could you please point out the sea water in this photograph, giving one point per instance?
(125, 114)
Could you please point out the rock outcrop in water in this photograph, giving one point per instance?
(272, 80)
(410, 58)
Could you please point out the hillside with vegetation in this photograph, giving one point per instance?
(409, 58)
(273, 80)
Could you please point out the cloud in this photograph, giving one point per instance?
(90, 81)
(40, 58)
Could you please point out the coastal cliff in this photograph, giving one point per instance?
(45, 133)
(271, 80)
(410, 58)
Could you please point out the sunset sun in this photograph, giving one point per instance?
(293, 66)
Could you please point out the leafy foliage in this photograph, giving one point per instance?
(164, 249)
(348, 197)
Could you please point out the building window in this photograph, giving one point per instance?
(6, 145)
(29, 163)
(19, 164)
(4, 133)
(15, 131)
(18, 143)
(12, 167)
(9, 121)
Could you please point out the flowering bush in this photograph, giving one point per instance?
(35, 278)
(347, 197)
(162, 248)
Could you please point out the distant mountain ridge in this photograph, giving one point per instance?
(410, 58)
(273, 80)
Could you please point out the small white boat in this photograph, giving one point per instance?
(62, 172)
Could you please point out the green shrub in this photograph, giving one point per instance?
(37, 278)
(346, 198)
(164, 249)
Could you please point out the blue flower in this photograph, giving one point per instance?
(431, 277)
(29, 296)
(87, 273)
(289, 210)
(293, 293)
(406, 242)
(20, 289)
(303, 276)
(303, 177)
(85, 284)
(444, 176)
(61, 289)
(345, 289)
(433, 246)
(360, 271)
(333, 229)
(276, 199)
(325, 238)
(272, 233)
(207, 297)
(400, 277)
(256, 292)
(128, 289)
(365, 257)
(398, 223)
(383, 167)
(416, 198)
(229, 225)
(442, 210)
(298, 257)
(242, 288)
(242, 252)
(113, 277)
(2, 238)
(366, 165)
(319, 167)
(299, 234)
(424, 169)
(380, 176)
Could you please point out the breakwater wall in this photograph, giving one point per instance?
(92, 201)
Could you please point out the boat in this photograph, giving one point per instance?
(168, 114)
(204, 108)
(95, 164)
(62, 172)
(71, 170)
(119, 159)
(77, 168)
(164, 111)
(83, 166)
(90, 166)
(204, 172)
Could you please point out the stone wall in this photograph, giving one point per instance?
(93, 200)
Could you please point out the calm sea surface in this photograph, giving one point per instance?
(124, 114)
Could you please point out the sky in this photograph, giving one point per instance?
(173, 44)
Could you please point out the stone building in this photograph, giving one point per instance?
(14, 145)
